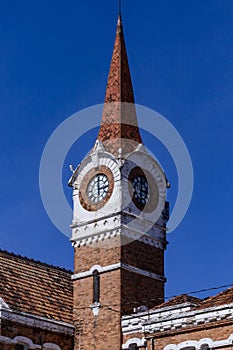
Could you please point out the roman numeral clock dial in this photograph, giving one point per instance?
(144, 185)
(140, 190)
(98, 188)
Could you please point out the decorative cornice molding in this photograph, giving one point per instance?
(100, 237)
(96, 220)
(121, 230)
(51, 346)
(143, 272)
(175, 317)
(37, 321)
(100, 269)
(115, 267)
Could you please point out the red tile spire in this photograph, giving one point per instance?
(119, 127)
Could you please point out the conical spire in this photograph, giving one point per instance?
(119, 127)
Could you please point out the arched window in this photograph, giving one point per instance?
(96, 286)
(133, 346)
(205, 347)
(22, 343)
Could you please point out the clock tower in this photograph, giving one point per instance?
(119, 219)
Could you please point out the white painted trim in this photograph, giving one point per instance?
(5, 340)
(37, 321)
(108, 268)
(91, 221)
(95, 238)
(21, 340)
(95, 308)
(174, 317)
(50, 346)
(28, 343)
(138, 341)
(198, 345)
(3, 304)
(143, 272)
(79, 240)
(95, 267)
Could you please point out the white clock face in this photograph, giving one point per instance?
(140, 189)
(98, 188)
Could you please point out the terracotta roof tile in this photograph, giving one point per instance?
(180, 299)
(225, 297)
(33, 287)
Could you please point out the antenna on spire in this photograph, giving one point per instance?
(119, 7)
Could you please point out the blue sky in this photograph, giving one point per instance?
(54, 61)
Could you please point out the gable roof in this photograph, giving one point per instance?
(222, 298)
(36, 288)
(178, 300)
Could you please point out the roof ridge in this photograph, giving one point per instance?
(34, 261)
(217, 297)
(179, 300)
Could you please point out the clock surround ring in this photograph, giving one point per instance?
(153, 192)
(84, 199)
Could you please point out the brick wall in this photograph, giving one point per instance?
(143, 256)
(120, 290)
(140, 290)
(37, 336)
(215, 331)
(96, 254)
(98, 332)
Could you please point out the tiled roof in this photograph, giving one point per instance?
(225, 297)
(180, 299)
(36, 288)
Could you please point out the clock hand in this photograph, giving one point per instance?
(98, 185)
(103, 187)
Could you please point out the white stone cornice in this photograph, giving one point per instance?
(90, 222)
(100, 269)
(122, 230)
(36, 321)
(99, 237)
(50, 346)
(115, 267)
(143, 272)
(175, 317)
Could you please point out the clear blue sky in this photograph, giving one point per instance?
(54, 61)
